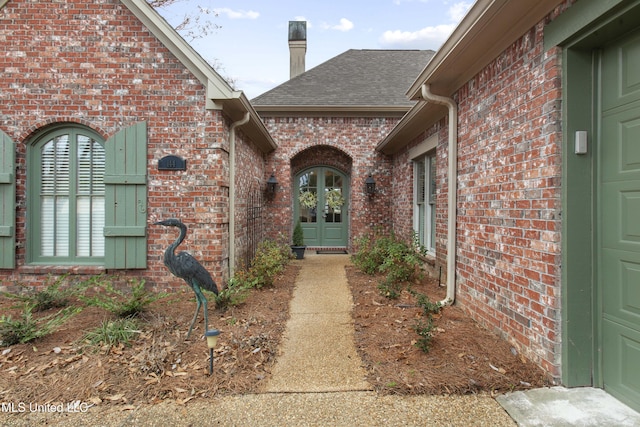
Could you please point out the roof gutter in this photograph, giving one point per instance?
(452, 174)
(232, 191)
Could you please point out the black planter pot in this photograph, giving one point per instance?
(299, 251)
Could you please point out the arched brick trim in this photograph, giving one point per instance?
(325, 155)
(45, 124)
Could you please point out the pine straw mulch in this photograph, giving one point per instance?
(463, 356)
(160, 365)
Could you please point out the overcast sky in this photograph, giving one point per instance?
(251, 45)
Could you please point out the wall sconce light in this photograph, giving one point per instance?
(272, 185)
(370, 186)
(212, 340)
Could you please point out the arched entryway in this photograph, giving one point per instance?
(321, 204)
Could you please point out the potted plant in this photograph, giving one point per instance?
(298, 246)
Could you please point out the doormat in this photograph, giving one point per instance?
(332, 252)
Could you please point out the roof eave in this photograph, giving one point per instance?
(421, 117)
(487, 30)
(219, 94)
(235, 108)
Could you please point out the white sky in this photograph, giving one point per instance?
(251, 47)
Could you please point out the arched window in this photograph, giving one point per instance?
(67, 197)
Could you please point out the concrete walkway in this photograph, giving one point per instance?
(560, 407)
(318, 352)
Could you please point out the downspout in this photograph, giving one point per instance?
(232, 192)
(452, 174)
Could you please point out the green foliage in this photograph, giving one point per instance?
(398, 261)
(370, 254)
(27, 328)
(113, 332)
(270, 260)
(428, 307)
(54, 295)
(424, 328)
(298, 235)
(236, 292)
(122, 304)
(389, 288)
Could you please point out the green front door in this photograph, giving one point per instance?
(321, 206)
(619, 219)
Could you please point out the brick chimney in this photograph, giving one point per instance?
(297, 47)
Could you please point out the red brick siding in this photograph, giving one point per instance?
(346, 143)
(94, 63)
(509, 198)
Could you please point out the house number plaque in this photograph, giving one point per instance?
(172, 163)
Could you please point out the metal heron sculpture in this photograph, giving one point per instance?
(186, 267)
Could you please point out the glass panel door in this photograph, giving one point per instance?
(321, 206)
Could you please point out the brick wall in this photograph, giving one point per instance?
(509, 204)
(509, 197)
(346, 143)
(94, 63)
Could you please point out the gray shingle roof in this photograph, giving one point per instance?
(355, 78)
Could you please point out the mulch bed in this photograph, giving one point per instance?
(160, 365)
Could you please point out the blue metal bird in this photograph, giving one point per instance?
(186, 267)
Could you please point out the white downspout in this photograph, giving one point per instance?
(232, 192)
(452, 174)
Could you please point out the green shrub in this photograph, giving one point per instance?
(398, 261)
(428, 307)
(298, 235)
(122, 304)
(54, 294)
(236, 292)
(270, 260)
(424, 328)
(27, 328)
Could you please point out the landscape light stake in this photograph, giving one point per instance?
(212, 339)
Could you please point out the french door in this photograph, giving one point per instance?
(321, 206)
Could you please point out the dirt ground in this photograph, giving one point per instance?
(161, 365)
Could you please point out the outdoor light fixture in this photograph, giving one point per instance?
(212, 340)
(272, 185)
(370, 186)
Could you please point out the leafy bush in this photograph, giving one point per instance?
(122, 304)
(27, 328)
(424, 328)
(236, 292)
(428, 307)
(370, 253)
(390, 256)
(113, 332)
(270, 260)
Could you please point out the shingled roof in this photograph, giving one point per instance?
(374, 80)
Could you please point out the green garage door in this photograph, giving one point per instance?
(619, 218)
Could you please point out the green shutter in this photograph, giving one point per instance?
(126, 198)
(7, 202)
